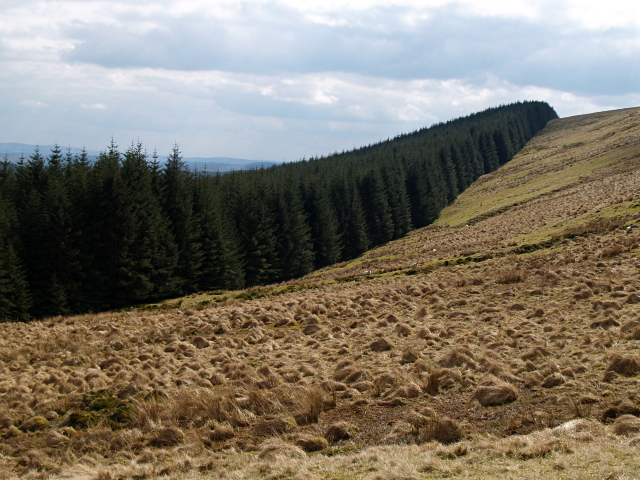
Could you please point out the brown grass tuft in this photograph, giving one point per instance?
(510, 276)
(311, 443)
(275, 425)
(221, 432)
(624, 365)
(612, 251)
(339, 431)
(443, 430)
(626, 425)
(381, 345)
(278, 448)
(489, 396)
(310, 402)
(167, 437)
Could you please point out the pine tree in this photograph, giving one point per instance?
(148, 263)
(373, 191)
(352, 226)
(324, 226)
(294, 247)
(15, 298)
(104, 237)
(222, 266)
(488, 152)
(398, 200)
(178, 207)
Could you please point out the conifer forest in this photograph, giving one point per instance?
(78, 235)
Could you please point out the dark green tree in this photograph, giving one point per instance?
(178, 191)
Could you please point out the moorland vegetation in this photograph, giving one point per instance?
(499, 342)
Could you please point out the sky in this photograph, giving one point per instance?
(284, 80)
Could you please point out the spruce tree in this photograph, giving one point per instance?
(222, 266)
(324, 226)
(374, 193)
(15, 298)
(294, 247)
(178, 194)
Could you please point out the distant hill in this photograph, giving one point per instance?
(226, 164)
(14, 151)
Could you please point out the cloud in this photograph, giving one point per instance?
(274, 79)
(96, 106)
(268, 117)
(384, 42)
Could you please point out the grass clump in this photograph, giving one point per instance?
(101, 406)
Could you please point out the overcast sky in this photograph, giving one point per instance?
(283, 79)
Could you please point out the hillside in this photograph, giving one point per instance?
(500, 342)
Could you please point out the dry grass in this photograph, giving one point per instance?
(470, 366)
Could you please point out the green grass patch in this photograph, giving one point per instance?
(101, 406)
(509, 187)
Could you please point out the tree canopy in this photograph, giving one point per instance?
(79, 236)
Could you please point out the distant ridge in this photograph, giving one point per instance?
(226, 164)
(14, 151)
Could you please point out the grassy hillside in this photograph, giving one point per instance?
(500, 342)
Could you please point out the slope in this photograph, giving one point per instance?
(500, 342)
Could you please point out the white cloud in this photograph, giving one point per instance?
(603, 15)
(33, 103)
(96, 106)
(280, 79)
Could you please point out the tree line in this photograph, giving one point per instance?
(78, 235)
